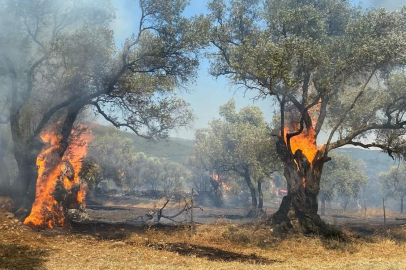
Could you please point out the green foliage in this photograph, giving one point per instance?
(393, 182)
(302, 53)
(58, 59)
(342, 176)
(113, 157)
(110, 157)
(238, 147)
(238, 142)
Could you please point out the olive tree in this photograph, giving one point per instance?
(240, 143)
(109, 157)
(326, 64)
(342, 176)
(58, 58)
(393, 183)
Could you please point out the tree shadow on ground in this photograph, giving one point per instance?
(117, 231)
(354, 234)
(14, 256)
(213, 254)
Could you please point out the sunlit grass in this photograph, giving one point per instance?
(221, 246)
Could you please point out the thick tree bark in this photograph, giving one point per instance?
(24, 186)
(260, 195)
(254, 203)
(4, 177)
(298, 210)
(323, 206)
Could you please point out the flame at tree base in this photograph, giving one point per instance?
(58, 183)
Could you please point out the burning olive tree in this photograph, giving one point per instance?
(393, 183)
(58, 59)
(240, 142)
(326, 64)
(341, 176)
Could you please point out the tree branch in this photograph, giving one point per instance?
(367, 146)
(118, 125)
(363, 129)
(348, 110)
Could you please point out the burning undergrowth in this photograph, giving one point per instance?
(58, 184)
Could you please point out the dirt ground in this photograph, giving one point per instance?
(218, 245)
(128, 209)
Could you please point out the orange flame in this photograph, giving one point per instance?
(46, 211)
(226, 187)
(217, 178)
(306, 140)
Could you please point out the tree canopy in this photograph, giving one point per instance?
(327, 65)
(393, 183)
(239, 142)
(342, 176)
(58, 58)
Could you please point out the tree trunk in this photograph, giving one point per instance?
(26, 153)
(298, 210)
(260, 195)
(323, 206)
(346, 201)
(25, 185)
(4, 177)
(401, 204)
(254, 203)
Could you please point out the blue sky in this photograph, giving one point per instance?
(207, 94)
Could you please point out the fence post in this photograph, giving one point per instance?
(384, 215)
(191, 215)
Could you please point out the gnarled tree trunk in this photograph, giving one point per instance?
(25, 185)
(4, 177)
(254, 203)
(260, 195)
(323, 206)
(298, 210)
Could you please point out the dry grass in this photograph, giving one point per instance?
(221, 246)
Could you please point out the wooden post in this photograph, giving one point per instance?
(384, 214)
(191, 216)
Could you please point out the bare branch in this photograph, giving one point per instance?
(367, 146)
(363, 129)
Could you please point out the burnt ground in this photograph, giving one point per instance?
(110, 239)
(131, 210)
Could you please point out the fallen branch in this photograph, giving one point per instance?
(187, 207)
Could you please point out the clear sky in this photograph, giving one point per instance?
(207, 94)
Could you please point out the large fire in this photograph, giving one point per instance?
(55, 172)
(306, 140)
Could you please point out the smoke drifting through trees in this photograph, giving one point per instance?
(58, 59)
(339, 71)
